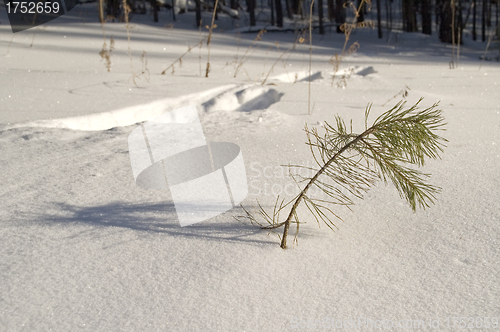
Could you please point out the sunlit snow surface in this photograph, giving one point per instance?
(84, 248)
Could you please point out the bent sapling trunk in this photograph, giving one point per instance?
(313, 180)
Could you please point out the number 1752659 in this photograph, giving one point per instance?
(30, 7)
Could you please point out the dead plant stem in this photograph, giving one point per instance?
(210, 38)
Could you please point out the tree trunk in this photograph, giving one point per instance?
(437, 12)
(459, 24)
(409, 16)
(474, 34)
(198, 13)
(361, 13)
(388, 8)
(279, 13)
(112, 8)
(497, 14)
(300, 8)
(498, 24)
(379, 20)
(483, 22)
(339, 15)
(272, 6)
(446, 34)
(488, 14)
(445, 22)
(330, 10)
(426, 17)
(320, 17)
(297, 7)
(288, 9)
(251, 11)
(155, 9)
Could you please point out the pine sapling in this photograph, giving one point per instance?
(348, 164)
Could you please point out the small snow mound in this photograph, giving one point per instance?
(364, 71)
(243, 100)
(300, 76)
(313, 77)
(361, 71)
(126, 116)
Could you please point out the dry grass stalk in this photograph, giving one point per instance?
(179, 59)
(144, 69)
(310, 58)
(299, 40)
(347, 28)
(106, 52)
(403, 93)
(247, 54)
(212, 26)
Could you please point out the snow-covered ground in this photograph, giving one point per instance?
(84, 248)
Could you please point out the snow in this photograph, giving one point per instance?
(84, 247)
